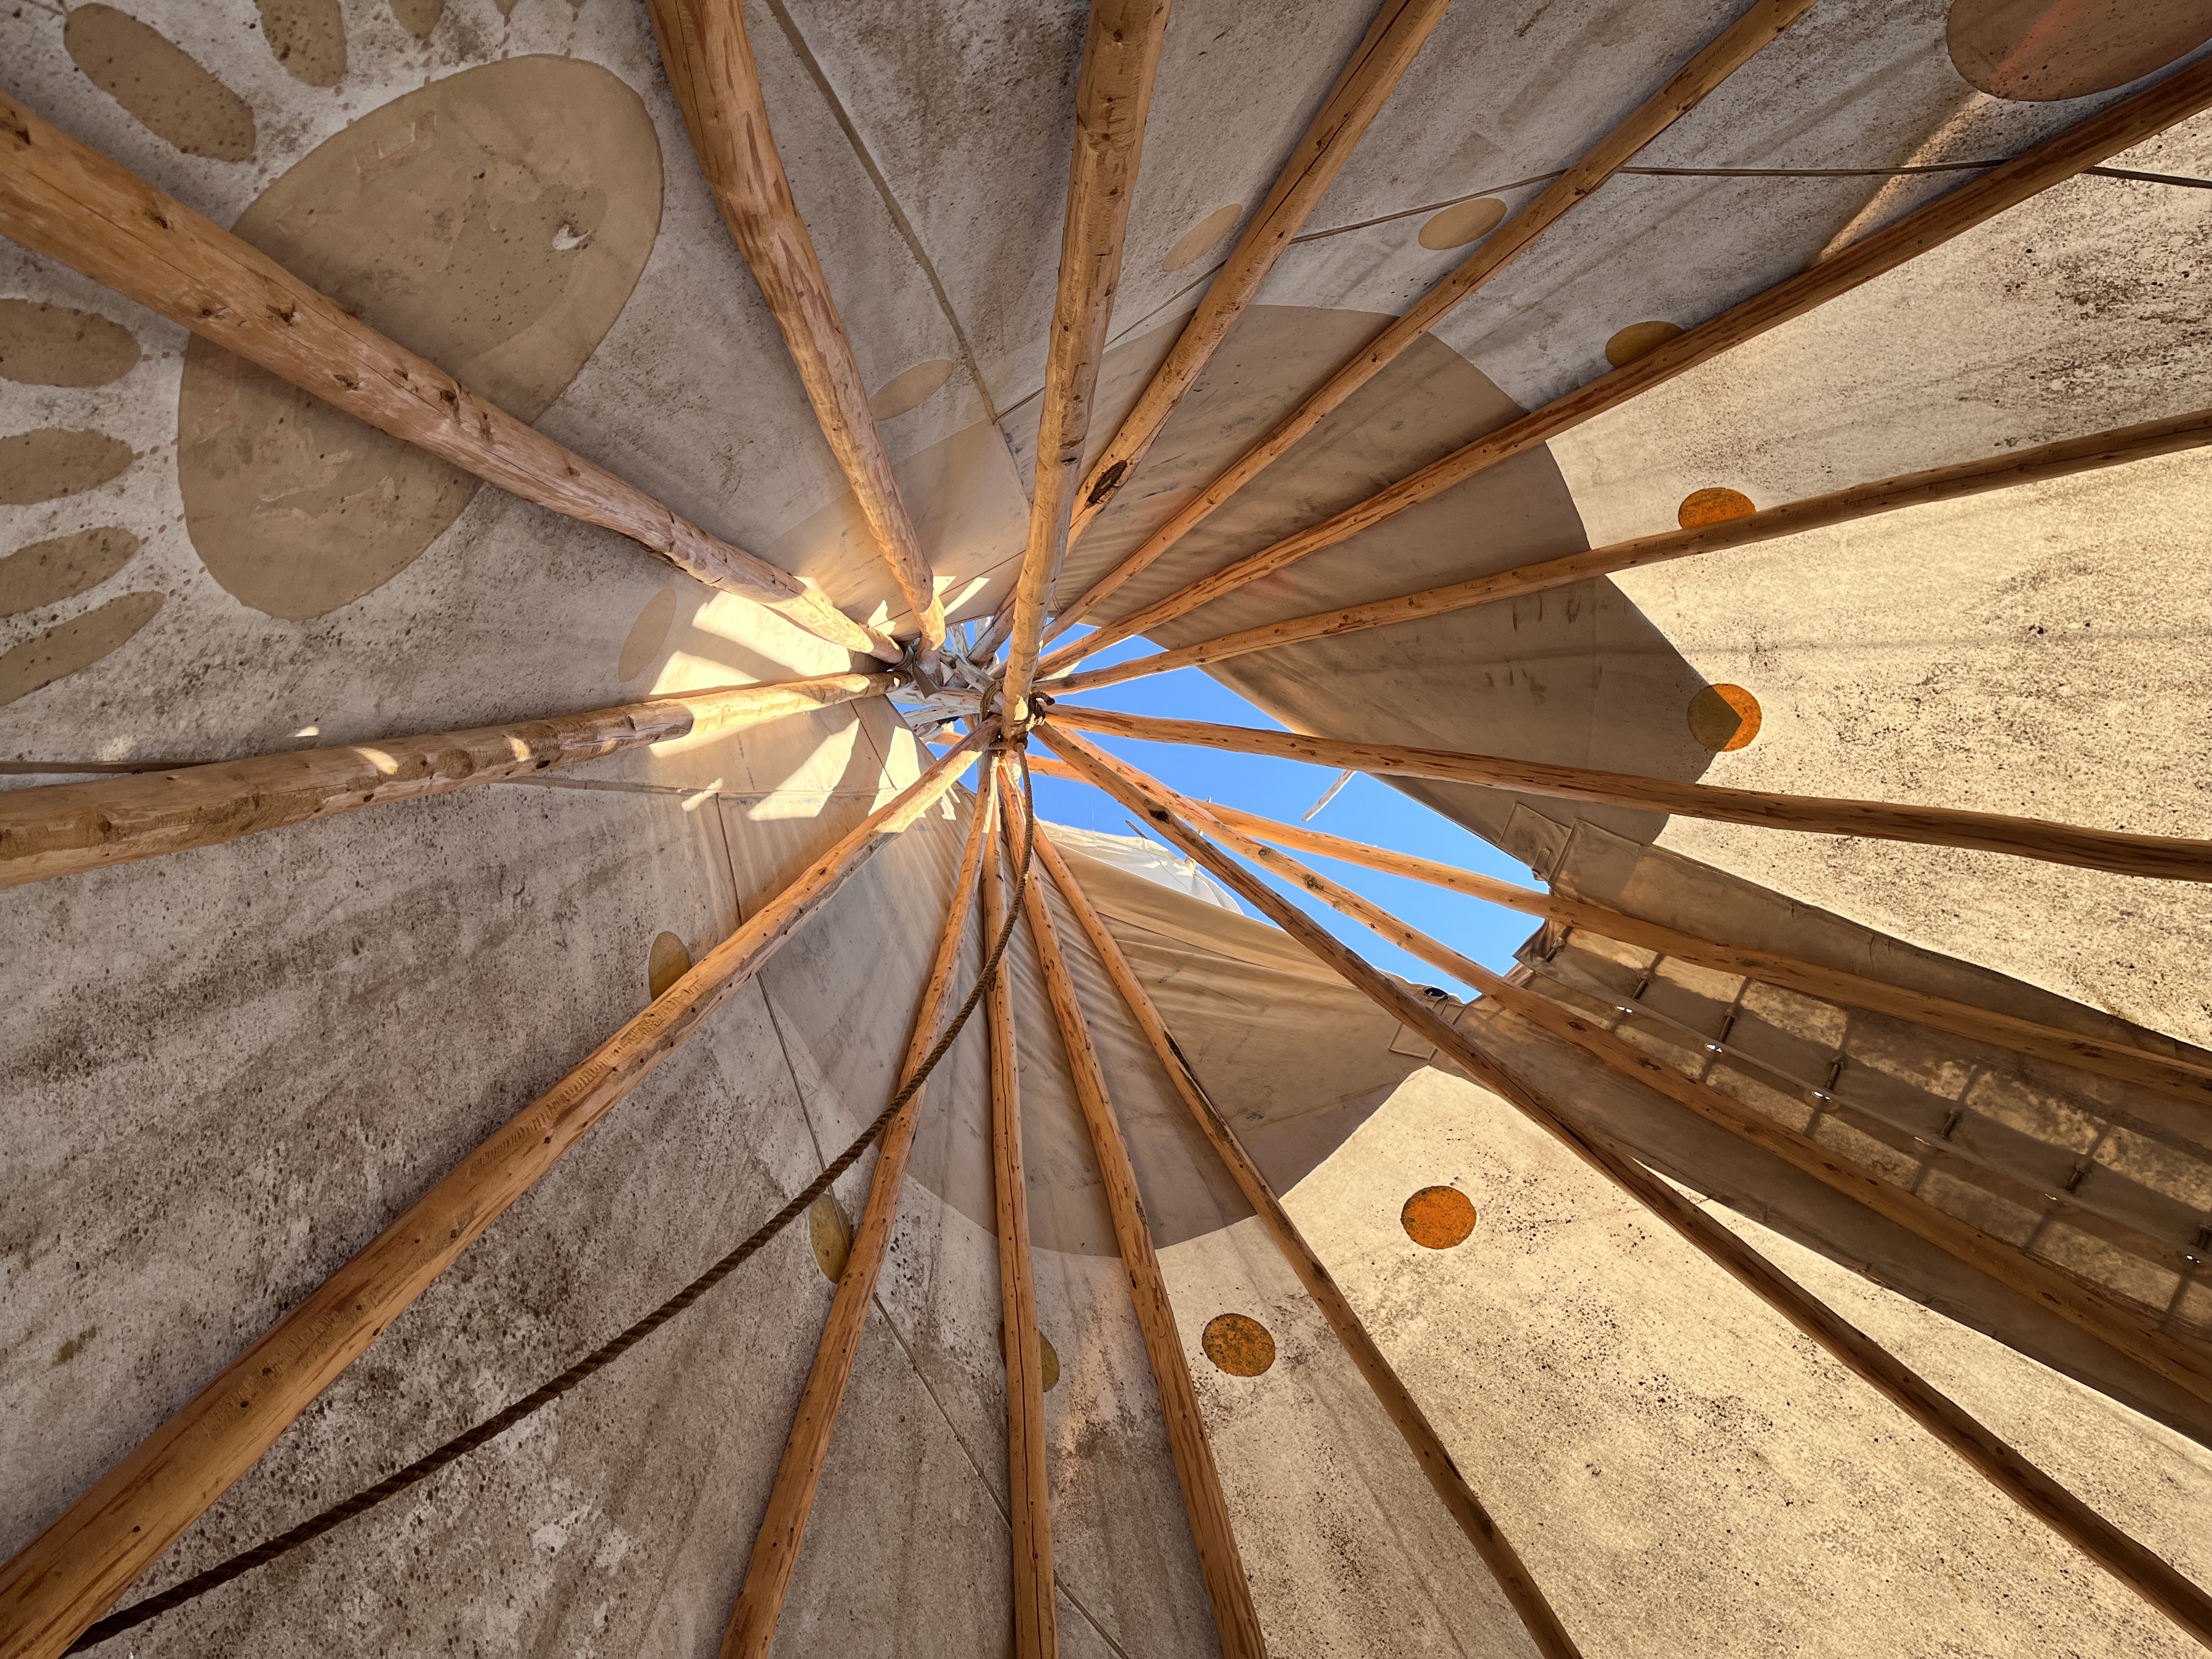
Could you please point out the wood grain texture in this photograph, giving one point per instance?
(72, 1571)
(2171, 858)
(65, 200)
(1943, 483)
(1220, 1563)
(2179, 96)
(1028, 1491)
(2157, 1582)
(1383, 55)
(710, 64)
(750, 1631)
(1521, 1588)
(2175, 1076)
(1121, 54)
(2120, 1328)
(1734, 46)
(64, 829)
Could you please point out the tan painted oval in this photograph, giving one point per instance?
(1716, 504)
(495, 221)
(76, 644)
(48, 571)
(54, 345)
(2042, 51)
(832, 1239)
(160, 83)
(1439, 1217)
(307, 37)
(419, 17)
(1200, 240)
(909, 388)
(667, 961)
(1047, 1360)
(1239, 1344)
(56, 461)
(1462, 222)
(1637, 340)
(646, 635)
(1725, 717)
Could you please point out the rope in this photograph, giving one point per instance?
(491, 1428)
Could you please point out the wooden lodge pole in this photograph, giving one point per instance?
(2154, 1580)
(67, 200)
(68, 1575)
(2172, 858)
(1218, 1562)
(62, 829)
(1497, 1553)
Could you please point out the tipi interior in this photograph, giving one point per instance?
(564, 1096)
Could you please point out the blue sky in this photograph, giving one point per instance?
(1364, 811)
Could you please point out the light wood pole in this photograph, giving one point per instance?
(1121, 54)
(1497, 1553)
(1218, 1562)
(67, 200)
(751, 1628)
(1029, 1489)
(2005, 1467)
(2125, 1331)
(68, 1575)
(1383, 55)
(2059, 460)
(1729, 50)
(62, 829)
(2172, 858)
(2173, 1075)
(710, 66)
(2179, 96)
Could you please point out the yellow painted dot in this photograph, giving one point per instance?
(1715, 506)
(646, 635)
(909, 388)
(1048, 1360)
(1238, 1344)
(1462, 222)
(1199, 240)
(1637, 340)
(831, 1238)
(668, 961)
(1724, 718)
(1437, 1217)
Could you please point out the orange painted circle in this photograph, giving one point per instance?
(1239, 1345)
(2041, 51)
(1437, 1217)
(1716, 506)
(1724, 718)
(1637, 340)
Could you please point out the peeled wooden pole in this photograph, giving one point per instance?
(68, 1575)
(2154, 1580)
(2120, 1328)
(2170, 1074)
(1121, 54)
(1734, 46)
(62, 829)
(2172, 858)
(710, 66)
(67, 200)
(1219, 1563)
(1378, 64)
(1028, 1491)
(2059, 460)
(2179, 96)
(751, 1628)
(1545, 1629)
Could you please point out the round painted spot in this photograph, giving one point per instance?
(909, 388)
(1048, 1358)
(668, 961)
(1437, 1217)
(646, 635)
(1462, 222)
(1238, 1344)
(1724, 718)
(831, 1238)
(1195, 243)
(309, 37)
(159, 83)
(54, 345)
(2041, 51)
(1714, 505)
(1637, 340)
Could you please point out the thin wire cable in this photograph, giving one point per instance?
(491, 1428)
